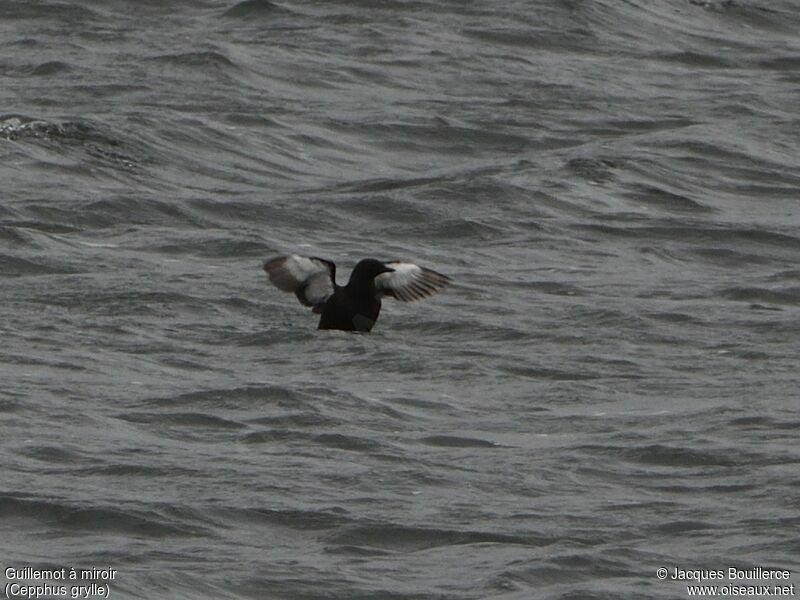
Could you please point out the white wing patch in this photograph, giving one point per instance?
(409, 282)
(311, 279)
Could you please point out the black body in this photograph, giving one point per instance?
(356, 306)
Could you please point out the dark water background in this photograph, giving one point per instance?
(609, 386)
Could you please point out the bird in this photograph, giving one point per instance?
(355, 306)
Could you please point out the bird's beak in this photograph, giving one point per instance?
(387, 270)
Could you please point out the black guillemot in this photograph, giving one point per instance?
(355, 306)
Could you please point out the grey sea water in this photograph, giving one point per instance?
(608, 387)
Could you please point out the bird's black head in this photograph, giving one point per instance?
(367, 270)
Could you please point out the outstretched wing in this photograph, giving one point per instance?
(310, 278)
(408, 282)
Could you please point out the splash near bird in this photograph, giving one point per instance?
(355, 306)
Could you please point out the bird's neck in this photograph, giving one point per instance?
(361, 285)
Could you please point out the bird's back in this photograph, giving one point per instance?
(350, 311)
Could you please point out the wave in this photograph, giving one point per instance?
(76, 517)
(248, 9)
